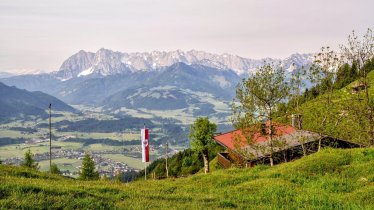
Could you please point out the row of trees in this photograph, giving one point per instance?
(88, 171)
(29, 162)
(183, 163)
(203, 149)
(333, 70)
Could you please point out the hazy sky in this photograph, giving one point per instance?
(41, 34)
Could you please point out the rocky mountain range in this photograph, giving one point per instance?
(107, 62)
(192, 82)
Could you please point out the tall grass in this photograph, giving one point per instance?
(330, 179)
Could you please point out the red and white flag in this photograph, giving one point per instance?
(145, 145)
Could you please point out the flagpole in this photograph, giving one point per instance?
(167, 169)
(145, 162)
(145, 170)
(50, 137)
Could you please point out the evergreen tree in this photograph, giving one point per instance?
(160, 170)
(29, 161)
(54, 169)
(201, 137)
(345, 75)
(88, 169)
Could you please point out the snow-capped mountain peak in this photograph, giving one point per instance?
(107, 62)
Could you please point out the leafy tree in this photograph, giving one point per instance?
(257, 99)
(29, 161)
(323, 73)
(88, 169)
(360, 53)
(297, 84)
(187, 161)
(54, 169)
(201, 137)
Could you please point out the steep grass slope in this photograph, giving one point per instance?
(344, 123)
(330, 179)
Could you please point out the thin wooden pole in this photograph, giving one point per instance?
(145, 170)
(50, 137)
(167, 169)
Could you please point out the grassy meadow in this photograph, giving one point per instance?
(342, 121)
(330, 179)
(130, 161)
(62, 163)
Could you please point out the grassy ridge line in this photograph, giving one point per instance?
(331, 179)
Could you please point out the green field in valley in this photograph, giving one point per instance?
(62, 163)
(132, 162)
(18, 150)
(93, 135)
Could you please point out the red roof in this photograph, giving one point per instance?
(235, 138)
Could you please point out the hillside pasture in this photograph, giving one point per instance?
(330, 179)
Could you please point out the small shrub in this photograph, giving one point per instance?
(29, 162)
(227, 204)
(54, 169)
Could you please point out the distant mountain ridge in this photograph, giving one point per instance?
(5, 74)
(178, 87)
(107, 62)
(15, 103)
(194, 82)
